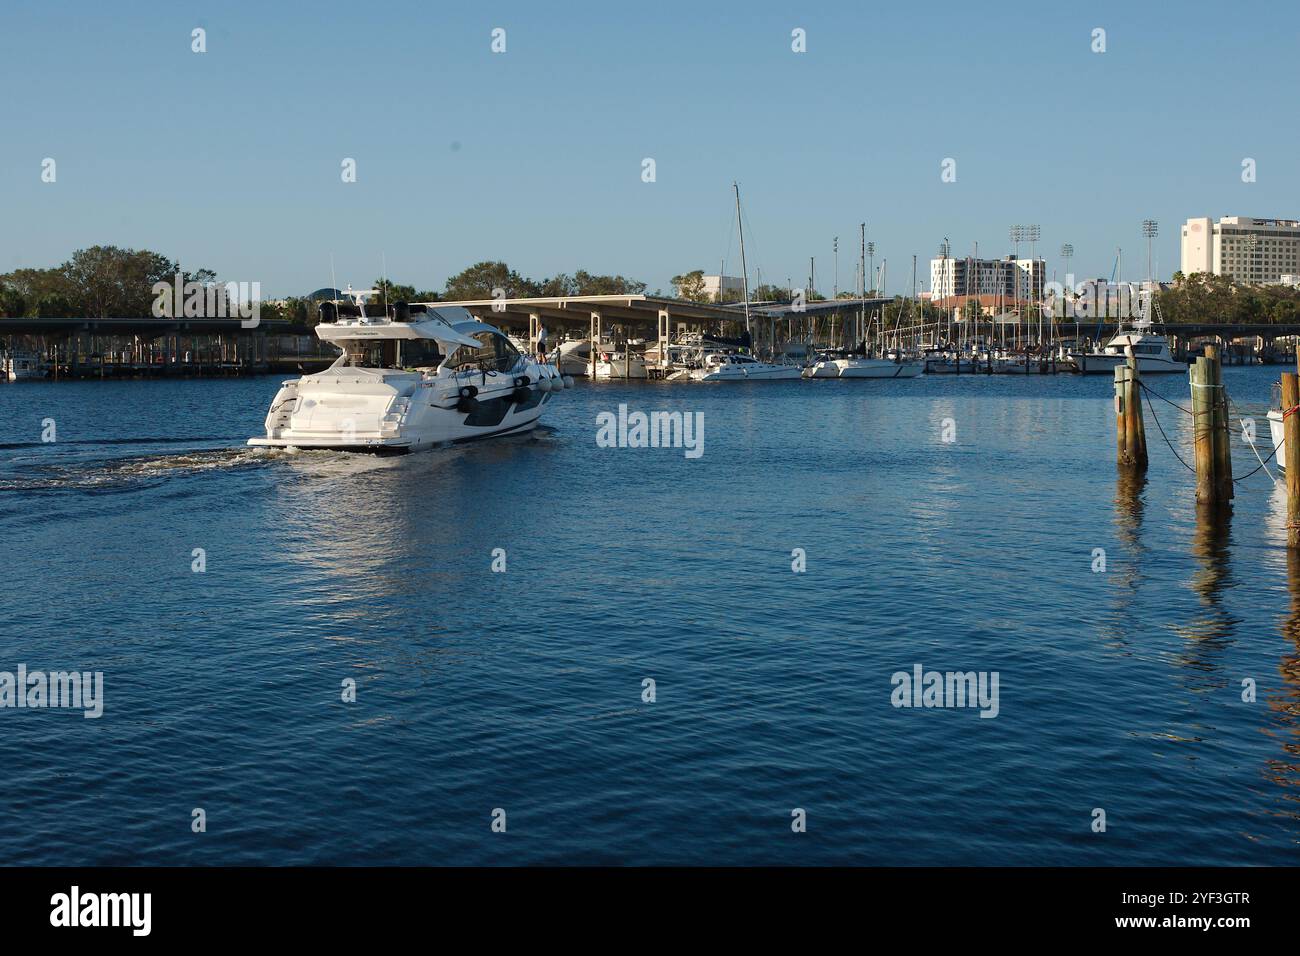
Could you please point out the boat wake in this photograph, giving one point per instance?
(127, 473)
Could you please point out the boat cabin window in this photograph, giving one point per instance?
(495, 353)
(372, 353)
(419, 353)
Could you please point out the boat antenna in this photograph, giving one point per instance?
(334, 286)
(744, 269)
(383, 273)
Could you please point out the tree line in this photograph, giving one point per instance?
(1201, 297)
(108, 281)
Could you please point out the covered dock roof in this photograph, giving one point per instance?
(576, 309)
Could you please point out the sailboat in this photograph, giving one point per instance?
(736, 366)
(865, 365)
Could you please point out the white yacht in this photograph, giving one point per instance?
(857, 366)
(409, 381)
(1150, 348)
(734, 367)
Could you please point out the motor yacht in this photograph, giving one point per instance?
(409, 379)
(1149, 344)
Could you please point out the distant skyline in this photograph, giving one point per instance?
(231, 159)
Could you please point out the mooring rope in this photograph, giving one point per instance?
(1156, 419)
(1263, 462)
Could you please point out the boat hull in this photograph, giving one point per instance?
(1092, 363)
(780, 373)
(879, 368)
(394, 413)
(1277, 432)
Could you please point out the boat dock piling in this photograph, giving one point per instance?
(1213, 455)
(1130, 432)
(1291, 450)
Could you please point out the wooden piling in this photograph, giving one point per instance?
(1121, 431)
(1291, 453)
(1222, 440)
(1203, 432)
(1134, 428)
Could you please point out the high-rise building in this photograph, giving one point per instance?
(1242, 248)
(1010, 277)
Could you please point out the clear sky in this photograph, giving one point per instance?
(230, 159)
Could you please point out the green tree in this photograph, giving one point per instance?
(12, 303)
(690, 286)
(589, 284)
(480, 279)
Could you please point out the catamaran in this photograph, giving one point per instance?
(410, 378)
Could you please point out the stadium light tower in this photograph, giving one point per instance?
(1150, 229)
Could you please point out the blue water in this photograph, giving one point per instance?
(522, 690)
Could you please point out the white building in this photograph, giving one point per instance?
(1242, 248)
(731, 286)
(1009, 277)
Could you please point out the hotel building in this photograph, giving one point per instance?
(1242, 248)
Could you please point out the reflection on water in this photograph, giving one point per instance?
(523, 689)
(1212, 579)
(1285, 704)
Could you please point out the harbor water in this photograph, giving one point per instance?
(645, 677)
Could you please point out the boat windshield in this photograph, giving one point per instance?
(495, 353)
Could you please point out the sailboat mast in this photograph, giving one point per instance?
(862, 308)
(744, 268)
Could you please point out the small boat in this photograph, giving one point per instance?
(21, 366)
(409, 381)
(614, 365)
(734, 367)
(1277, 427)
(575, 357)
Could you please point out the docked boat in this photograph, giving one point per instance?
(857, 366)
(1150, 348)
(614, 365)
(731, 366)
(1277, 427)
(734, 367)
(575, 357)
(408, 381)
(21, 366)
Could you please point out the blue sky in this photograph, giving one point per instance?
(230, 159)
